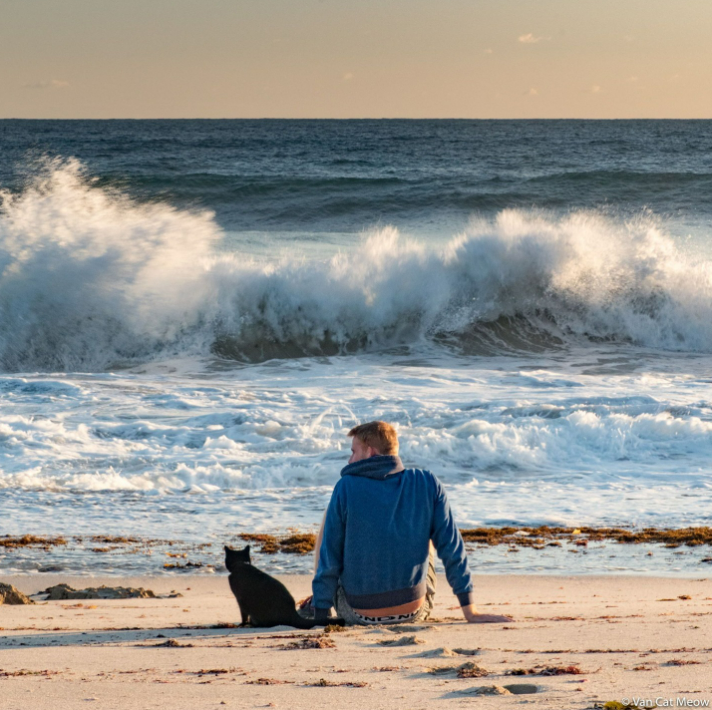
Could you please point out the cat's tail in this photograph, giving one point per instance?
(300, 622)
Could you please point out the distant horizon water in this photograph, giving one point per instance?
(355, 119)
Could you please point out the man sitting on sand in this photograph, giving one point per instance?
(374, 553)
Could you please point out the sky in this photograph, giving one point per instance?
(355, 58)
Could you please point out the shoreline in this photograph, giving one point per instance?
(619, 637)
(536, 551)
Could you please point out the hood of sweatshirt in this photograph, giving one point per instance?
(378, 467)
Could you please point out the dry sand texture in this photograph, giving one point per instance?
(580, 641)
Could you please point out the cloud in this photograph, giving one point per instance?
(52, 84)
(596, 89)
(533, 92)
(348, 76)
(488, 51)
(529, 38)
(632, 79)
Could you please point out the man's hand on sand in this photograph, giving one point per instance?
(473, 617)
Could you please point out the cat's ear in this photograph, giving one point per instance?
(227, 549)
(247, 550)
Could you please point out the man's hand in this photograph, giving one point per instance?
(474, 617)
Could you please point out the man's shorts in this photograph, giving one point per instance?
(353, 618)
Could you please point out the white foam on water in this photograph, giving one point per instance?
(90, 279)
(282, 426)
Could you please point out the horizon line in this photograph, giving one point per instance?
(369, 118)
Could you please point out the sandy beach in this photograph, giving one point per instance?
(579, 640)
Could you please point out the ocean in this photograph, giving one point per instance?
(194, 313)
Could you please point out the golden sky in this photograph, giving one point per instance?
(355, 58)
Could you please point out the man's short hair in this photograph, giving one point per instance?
(380, 436)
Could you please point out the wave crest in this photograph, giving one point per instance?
(90, 279)
(522, 281)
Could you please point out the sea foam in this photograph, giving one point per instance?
(89, 278)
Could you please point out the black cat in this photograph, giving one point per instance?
(263, 600)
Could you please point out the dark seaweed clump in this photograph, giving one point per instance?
(297, 543)
(543, 536)
(31, 541)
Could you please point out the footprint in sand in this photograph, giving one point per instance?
(484, 690)
(402, 641)
(403, 628)
(448, 653)
(513, 689)
(466, 670)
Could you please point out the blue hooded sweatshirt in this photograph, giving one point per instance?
(377, 533)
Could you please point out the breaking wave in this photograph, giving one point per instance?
(90, 279)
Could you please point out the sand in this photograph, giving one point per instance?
(634, 638)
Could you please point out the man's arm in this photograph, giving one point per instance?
(451, 550)
(330, 557)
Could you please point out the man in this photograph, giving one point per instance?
(374, 551)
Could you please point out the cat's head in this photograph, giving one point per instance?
(233, 558)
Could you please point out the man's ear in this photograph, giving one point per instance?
(372, 452)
